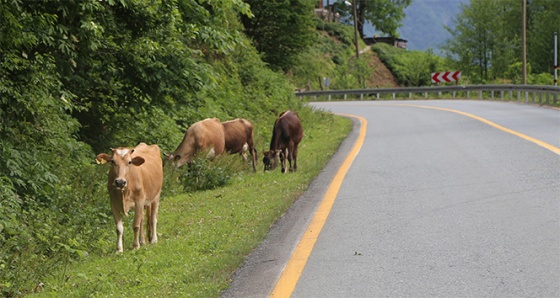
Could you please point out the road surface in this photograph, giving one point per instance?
(444, 199)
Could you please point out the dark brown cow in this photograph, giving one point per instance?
(286, 135)
(135, 181)
(239, 139)
(207, 134)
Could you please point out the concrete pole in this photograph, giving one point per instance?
(555, 59)
(524, 41)
(356, 29)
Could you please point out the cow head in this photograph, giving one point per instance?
(121, 160)
(270, 159)
(173, 159)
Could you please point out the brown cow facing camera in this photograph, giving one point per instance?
(204, 135)
(239, 139)
(286, 135)
(135, 181)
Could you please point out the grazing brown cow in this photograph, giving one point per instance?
(286, 135)
(135, 181)
(239, 139)
(207, 134)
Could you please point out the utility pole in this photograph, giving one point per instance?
(555, 59)
(356, 29)
(353, 4)
(524, 41)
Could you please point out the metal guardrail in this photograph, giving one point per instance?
(526, 93)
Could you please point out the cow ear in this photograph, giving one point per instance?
(102, 158)
(138, 160)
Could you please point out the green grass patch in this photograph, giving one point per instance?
(204, 235)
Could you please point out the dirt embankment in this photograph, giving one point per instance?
(382, 76)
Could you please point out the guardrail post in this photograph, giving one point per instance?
(468, 94)
(361, 96)
(409, 94)
(480, 94)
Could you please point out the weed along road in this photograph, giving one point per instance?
(425, 199)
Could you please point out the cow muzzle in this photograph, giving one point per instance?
(120, 183)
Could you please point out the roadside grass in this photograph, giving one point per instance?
(204, 235)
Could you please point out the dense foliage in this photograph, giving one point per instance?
(411, 68)
(486, 41)
(384, 15)
(78, 77)
(280, 29)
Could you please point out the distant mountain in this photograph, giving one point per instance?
(423, 26)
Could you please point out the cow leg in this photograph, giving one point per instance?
(283, 157)
(153, 219)
(294, 156)
(148, 212)
(211, 154)
(253, 153)
(137, 225)
(120, 228)
(244, 150)
(289, 154)
(142, 232)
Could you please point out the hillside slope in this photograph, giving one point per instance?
(382, 75)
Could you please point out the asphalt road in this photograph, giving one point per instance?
(458, 201)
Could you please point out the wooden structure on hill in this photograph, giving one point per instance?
(394, 41)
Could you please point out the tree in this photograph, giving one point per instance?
(486, 40)
(280, 30)
(385, 15)
(481, 42)
(543, 21)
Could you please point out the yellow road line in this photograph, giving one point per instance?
(292, 272)
(513, 132)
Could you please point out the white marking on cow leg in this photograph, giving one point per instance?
(142, 232)
(244, 150)
(119, 227)
(120, 230)
(211, 153)
(154, 217)
(283, 157)
(121, 152)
